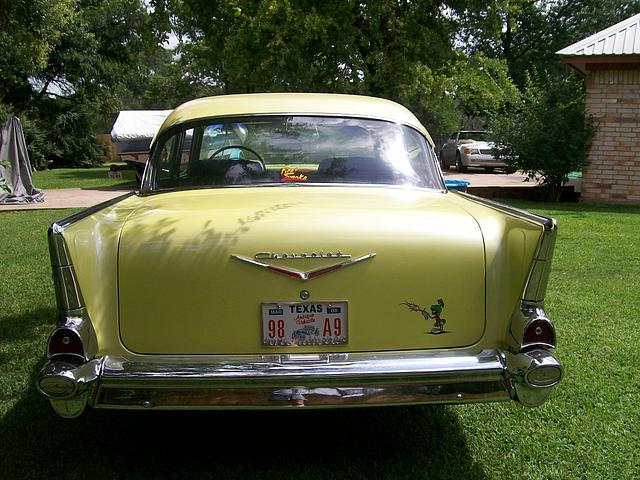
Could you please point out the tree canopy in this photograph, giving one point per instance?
(68, 66)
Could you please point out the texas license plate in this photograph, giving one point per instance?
(304, 323)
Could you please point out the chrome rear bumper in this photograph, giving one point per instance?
(288, 381)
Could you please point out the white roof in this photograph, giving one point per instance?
(137, 124)
(620, 39)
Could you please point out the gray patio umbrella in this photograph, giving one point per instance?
(13, 149)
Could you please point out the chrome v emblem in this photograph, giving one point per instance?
(299, 274)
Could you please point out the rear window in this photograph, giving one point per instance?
(291, 149)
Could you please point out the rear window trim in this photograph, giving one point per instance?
(149, 173)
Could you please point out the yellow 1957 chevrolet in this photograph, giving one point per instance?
(297, 250)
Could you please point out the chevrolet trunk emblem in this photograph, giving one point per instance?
(301, 274)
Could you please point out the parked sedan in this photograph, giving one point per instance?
(469, 148)
(297, 250)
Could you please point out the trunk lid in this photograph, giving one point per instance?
(182, 291)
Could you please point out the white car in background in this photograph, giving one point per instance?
(469, 148)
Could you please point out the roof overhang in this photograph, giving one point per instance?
(585, 63)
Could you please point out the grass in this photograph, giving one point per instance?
(94, 177)
(589, 429)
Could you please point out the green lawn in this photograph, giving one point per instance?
(590, 429)
(82, 178)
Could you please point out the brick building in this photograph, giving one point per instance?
(610, 62)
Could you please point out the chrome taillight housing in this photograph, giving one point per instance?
(74, 336)
(65, 341)
(530, 327)
(539, 332)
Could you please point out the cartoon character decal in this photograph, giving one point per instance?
(433, 313)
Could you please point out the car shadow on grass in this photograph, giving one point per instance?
(26, 325)
(391, 442)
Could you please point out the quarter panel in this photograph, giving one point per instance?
(93, 246)
(511, 242)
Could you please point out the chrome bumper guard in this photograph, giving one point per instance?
(286, 381)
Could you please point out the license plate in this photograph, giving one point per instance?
(304, 323)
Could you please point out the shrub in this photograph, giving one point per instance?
(545, 134)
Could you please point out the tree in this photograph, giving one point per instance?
(75, 62)
(29, 32)
(389, 48)
(481, 84)
(545, 133)
(527, 33)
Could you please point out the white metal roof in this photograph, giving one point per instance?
(620, 39)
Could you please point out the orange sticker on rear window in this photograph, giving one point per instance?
(293, 174)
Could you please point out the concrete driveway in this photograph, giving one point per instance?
(69, 198)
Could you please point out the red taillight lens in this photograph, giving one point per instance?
(65, 341)
(539, 332)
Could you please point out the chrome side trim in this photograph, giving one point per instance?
(68, 296)
(538, 278)
(60, 225)
(300, 274)
(57, 247)
(547, 222)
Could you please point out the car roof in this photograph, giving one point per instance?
(293, 103)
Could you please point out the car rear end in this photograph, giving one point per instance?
(349, 285)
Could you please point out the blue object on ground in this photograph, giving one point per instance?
(459, 185)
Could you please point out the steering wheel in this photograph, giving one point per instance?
(240, 147)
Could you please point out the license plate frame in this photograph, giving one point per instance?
(305, 323)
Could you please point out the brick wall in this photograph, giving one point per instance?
(613, 171)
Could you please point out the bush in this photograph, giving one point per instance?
(59, 135)
(65, 134)
(545, 134)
